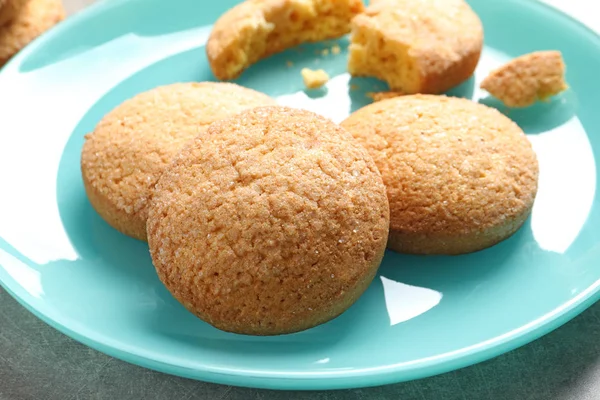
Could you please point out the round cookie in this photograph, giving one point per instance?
(9, 9)
(460, 176)
(129, 148)
(416, 46)
(32, 19)
(273, 222)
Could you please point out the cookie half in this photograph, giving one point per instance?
(416, 46)
(256, 29)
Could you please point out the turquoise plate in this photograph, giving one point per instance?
(421, 316)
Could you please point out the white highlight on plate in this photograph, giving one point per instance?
(567, 185)
(41, 236)
(405, 302)
(27, 277)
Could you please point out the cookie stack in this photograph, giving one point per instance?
(260, 219)
(265, 220)
(21, 21)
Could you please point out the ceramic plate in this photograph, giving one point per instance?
(421, 316)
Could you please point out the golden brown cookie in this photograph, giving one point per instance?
(31, 20)
(9, 9)
(125, 155)
(256, 29)
(416, 46)
(273, 222)
(460, 176)
(528, 78)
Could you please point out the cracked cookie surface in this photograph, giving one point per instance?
(272, 222)
(9, 9)
(124, 156)
(460, 176)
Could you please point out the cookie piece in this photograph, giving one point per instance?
(314, 79)
(125, 155)
(30, 21)
(528, 78)
(416, 46)
(256, 29)
(9, 9)
(460, 176)
(273, 222)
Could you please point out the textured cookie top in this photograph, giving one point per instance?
(450, 165)
(124, 156)
(268, 220)
(525, 79)
(31, 20)
(437, 33)
(258, 28)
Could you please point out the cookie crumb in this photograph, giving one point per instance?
(354, 87)
(314, 79)
(527, 79)
(336, 49)
(289, 64)
(325, 52)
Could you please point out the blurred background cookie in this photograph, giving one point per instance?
(9, 9)
(125, 155)
(28, 21)
(255, 29)
(273, 222)
(416, 46)
(460, 176)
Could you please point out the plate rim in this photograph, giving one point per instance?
(365, 377)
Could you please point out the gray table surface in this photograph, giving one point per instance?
(38, 362)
